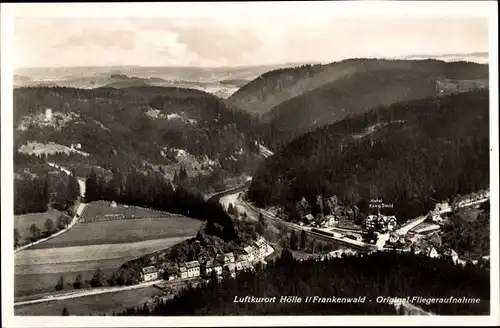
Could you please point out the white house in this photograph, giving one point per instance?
(193, 269)
(183, 272)
(211, 266)
(432, 253)
(393, 238)
(451, 254)
(149, 273)
(225, 258)
(231, 269)
(250, 253)
(48, 114)
(261, 247)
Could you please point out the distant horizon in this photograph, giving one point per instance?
(403, 57)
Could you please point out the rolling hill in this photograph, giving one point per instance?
(274, 87)
(406, 153)
(137, 127)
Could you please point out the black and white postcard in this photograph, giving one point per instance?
(291, 163)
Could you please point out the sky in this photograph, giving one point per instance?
(238, 40)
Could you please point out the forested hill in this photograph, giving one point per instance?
(274, 87)
(406, 154)
(137, 125)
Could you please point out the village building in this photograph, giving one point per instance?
(243, 266)
(193, 269)
(329, 221)
(450, 253)
(171, 275)
(250, 253)
(242, 257)
(230, 269)
(182, 272)
(213, 265)
(308, 219)
(393, 238)
(261, 247)
(431, 252)
(149, 273)
(225, 258)
(48, 114)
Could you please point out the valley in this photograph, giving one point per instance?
(168, 186)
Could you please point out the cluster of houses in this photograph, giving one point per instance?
(227, 262)
(381, 223)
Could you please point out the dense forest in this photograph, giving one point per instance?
(139, 124)
(470, 238)
(408, 154)
(36, 189)
(379, 274)
(274, 87)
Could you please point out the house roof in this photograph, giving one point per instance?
(450, 252)
(230, 254)
(149, 269)
(192, 264)
(230, 266)
(182, 269)
(212, 263)
(248, 249)
(309, 217)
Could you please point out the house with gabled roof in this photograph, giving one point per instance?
(250, 253)
(193, 269)
(182, 272)
(149, 273)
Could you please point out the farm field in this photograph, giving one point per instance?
(23, 222)
(93, 304)
(123, 231)
(38, 270)
(103, 211)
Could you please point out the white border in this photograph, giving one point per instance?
(231, 10)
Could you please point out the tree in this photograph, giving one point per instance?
(97, 278)
(231, 209)
(65, 311)
(17, 237)
(78, 282)
(293, 241)
(303, 239)
(63, 221)
(91, 188)
(60, 283)
(262, 220)
(49, 226)
(73, 188)
(35, 232)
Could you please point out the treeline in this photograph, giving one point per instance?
(153, 191)
(34, 193)
(379, 274)
(36, 233)
(31, 195)
(407, 154)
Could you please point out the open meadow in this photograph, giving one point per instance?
(38, 270)
(123, 231)
(88, 246)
